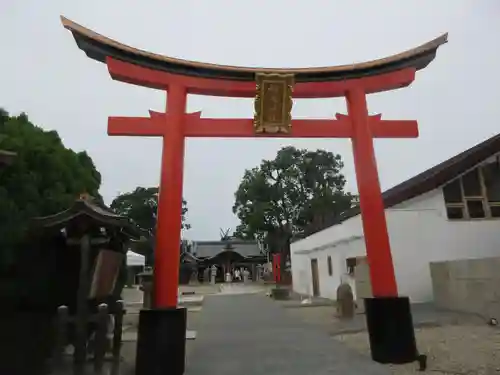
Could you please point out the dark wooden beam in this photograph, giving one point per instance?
(6, 157)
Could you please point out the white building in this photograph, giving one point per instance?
(451, 211)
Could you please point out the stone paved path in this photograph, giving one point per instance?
(252, 335)
(239, 288)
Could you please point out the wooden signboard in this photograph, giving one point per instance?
(106, 270)
(273, 103)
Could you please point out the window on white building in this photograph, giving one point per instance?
(351, 265)
(475, 195)
(330, 266)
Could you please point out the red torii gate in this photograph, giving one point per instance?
(272, 89)
(175, 125)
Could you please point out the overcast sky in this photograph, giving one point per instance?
(455, 99)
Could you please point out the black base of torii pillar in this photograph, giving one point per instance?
(161, 342)
(390, 331)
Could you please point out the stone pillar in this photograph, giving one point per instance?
(147, 289)
(246, 275)
(194, 277)
(213, 274)
(254, 272)
(258, 275)
(130, 276)
(206, 275)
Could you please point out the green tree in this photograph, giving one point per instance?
(141, 205)
(280, 198)
(44, 178)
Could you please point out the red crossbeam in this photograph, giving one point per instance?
(141, 76)
(195, 126)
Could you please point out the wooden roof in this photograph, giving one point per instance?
(86, 207)
(210, 249)
(426, 181)
(99, 47)
(6, 157)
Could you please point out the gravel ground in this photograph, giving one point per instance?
(468, 347)
(461, 349)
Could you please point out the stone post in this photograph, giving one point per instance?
(258, 274)
(206, 275)
(246, 275)
(130, 276)
(147, 289)
(213, 273)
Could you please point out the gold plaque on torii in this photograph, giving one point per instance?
(273, 103)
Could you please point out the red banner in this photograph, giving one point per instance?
(277, 267)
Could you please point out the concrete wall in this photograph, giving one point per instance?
(470, 285)
(419, 233)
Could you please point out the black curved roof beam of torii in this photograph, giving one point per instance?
(99, 47)
(83, 207)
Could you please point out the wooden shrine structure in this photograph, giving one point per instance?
(90, 242)
(6, 158)
(226, 255)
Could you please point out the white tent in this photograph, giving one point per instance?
(134, 259)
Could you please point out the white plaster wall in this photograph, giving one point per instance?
(330, 235)
(339, 255)
(301, 273)
(301, 263)
(419, 232)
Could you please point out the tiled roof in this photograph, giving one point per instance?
(426, 181)
(208, 249)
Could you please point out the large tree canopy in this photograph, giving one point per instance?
(280, 198)
(44, 178)
(141, 205)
